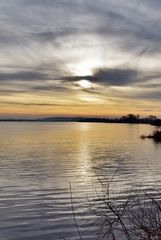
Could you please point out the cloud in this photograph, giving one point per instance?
(23, 76)
(51, 36)
(119, 42)
(50, 88)
(115, 77)
(33, 104)
(11, 91)
(155, 94)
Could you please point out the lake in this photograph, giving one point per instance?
(39, 162)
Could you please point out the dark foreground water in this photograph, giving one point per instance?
(38, 161)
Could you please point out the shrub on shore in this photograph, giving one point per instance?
(136, 216)
(156, 136)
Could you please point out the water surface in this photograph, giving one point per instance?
(38, 161)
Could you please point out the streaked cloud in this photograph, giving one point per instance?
(48, 46)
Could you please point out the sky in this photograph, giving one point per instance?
(80, 57)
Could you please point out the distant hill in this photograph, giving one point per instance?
(130, 118)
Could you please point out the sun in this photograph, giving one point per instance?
(84, 83)
(81, 69)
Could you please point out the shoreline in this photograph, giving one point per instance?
(89, 120)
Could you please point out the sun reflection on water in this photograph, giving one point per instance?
(84, 155)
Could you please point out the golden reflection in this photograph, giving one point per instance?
(84, 155)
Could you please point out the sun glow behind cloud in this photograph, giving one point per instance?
(85, 84)
(82, 69)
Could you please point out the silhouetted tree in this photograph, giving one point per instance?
(152, 118)
(131, 118)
